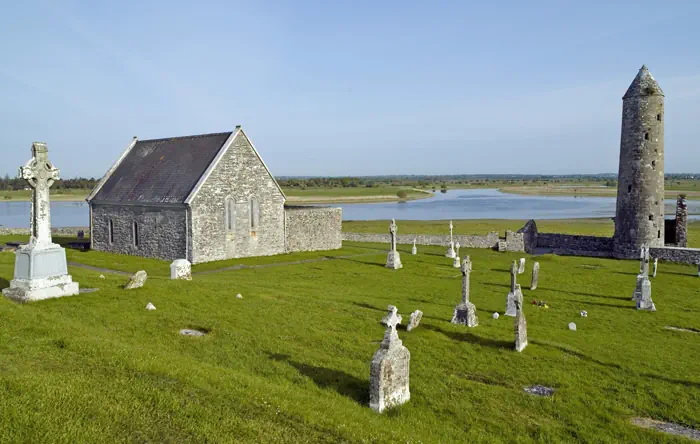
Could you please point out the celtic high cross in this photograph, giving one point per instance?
(40, 173)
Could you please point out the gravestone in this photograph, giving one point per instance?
(181, 269)
(520, 327)
(535, 275)
(465, 312)
(393, 259)
(643, 275)
(414, 320)
(137, 280)
(389, 371)
(414, 250)
(645, 302)
(392, 312)
(511, 302)
(521, 266)
(510, 299)
(656, 266)
(451, 249)
(41, 270)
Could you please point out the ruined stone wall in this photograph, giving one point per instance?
(681, 228)
(55, 231)
(161, 230)
(639, 217)
(575, 242)
(239, 176)
(529, 233)
(676, 254)
(488, 241)
(313, 228)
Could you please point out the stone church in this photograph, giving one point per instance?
(202, 198)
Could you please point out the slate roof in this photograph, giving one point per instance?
(643, 84)
(161, 170)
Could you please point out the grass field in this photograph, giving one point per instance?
(290, 361)
(354, 195)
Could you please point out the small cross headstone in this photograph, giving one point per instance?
(389, 371)
(535, 275)
(414, 250)
(465, 312)
(391, 313)
(520, 327)
(521, 266)
(414, 320)
(393, 259)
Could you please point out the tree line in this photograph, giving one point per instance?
(8, 183)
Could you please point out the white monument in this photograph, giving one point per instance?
(41, 271)
(451, 249)
(393, 259)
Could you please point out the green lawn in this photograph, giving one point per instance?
(290, 361)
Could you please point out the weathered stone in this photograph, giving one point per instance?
(638, 288)
(495, 315)
(656, 266)
(521, 265)
(502, 246)
(667, 427)
(88, 290)
(645, 302)
(520, 327)
(681, 239)
(414, 320)
(572, 326)
(191, 332)
(513, 276)
(535, 275)
(393, 259)
(465, 312)
(389, 371)
(539, 390)
(239, 296)
(392, 313)
(102, 276)
(150, 306)
(41, 270)
(181, 269)
(414, 250)
(456, 262)
(512, 300)
(137, 280)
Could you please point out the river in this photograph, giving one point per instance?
(455, 204)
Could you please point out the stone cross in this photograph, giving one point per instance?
(392, 230)
(451, 242)
(645, 262)
(513, 274)
(40, 173)
(391, 337)
(656, 266)
(466, 270)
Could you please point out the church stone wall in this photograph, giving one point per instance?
(465, 241)
(161, 230)
(240, 176)
(313, 228)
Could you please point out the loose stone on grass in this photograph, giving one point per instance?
(102, 276)
(572, 326)
(88, 290)
(181, 269)
(414, 320)
(667, 427)
(686, 330)
(239, 296)
(496, 315)
(539, 390)
(137, 280)
(191, 332)
(150, 306)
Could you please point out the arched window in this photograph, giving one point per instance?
(110, 228)
(254, 214)
(230, 208)
(136, 234)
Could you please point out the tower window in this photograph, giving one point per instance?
(658, 234)
(653, 164)
(646, 136)
(629, 188)
(651, 217)
(658, 117)
(110, 225)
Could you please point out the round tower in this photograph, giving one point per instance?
(639, 218)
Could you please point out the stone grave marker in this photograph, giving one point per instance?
(393, 259)
(521, 265)
(465, 312)
(656, 266)
(512, 294)
(41, 270)
(389, 371)
(535, 275)
(645, 302)
(414, 320)
(137, 280)
(451, 249)
(414, 250)
(520, 327)
(181, 269)
(455, 261)
(392, 312)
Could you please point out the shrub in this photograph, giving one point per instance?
(402, 194)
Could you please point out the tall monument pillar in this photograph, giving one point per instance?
(639, 217)
(41, 271)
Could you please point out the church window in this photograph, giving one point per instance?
(230, 215)
(136, 234)
(110, 227)
(254, 214)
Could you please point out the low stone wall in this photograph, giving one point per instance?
(514, 240)
(59, 231)
(574, 242)
(313, 228)
(676, 254)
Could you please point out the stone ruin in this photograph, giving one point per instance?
(393, 259)
(389, 371)
(465, 312)
(535, 275)
(41, 269)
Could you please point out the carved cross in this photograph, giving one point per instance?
(466, 265)
(392, 230)
(40, 174)
(391, 336)
(466, 269)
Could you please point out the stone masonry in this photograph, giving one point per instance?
(681, 238)
(313, 228)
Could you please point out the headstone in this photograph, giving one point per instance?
(656, 266)
(414, 320)
(645, 302)
(535, 275)
(511, 302)
(638, 288)
(392, 313)
(521, 265)
(698, 269)
(572, 326)
(41, 270)
(456, 262)
(414, 250)
(451, 249)
(389, 371)
(465, 312)
(393, 259)
(510, 299)
(181, 269)
(643, 275)
(136, 281)
(150, 306)
(520, 327)
(496, 315)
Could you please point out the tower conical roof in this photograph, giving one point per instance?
(643, 85)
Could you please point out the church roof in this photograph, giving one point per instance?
(643, 85)
(160, 170)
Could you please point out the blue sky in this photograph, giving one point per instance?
(348, 88)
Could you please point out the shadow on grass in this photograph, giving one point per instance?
(326, 378)
(492, 284)
(602, 304)
(619, 298)
(471, 338)
(369, 307)
(4, 283)
(361, 262)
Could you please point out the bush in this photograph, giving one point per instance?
(402, 194)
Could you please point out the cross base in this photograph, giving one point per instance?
(40, 273)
